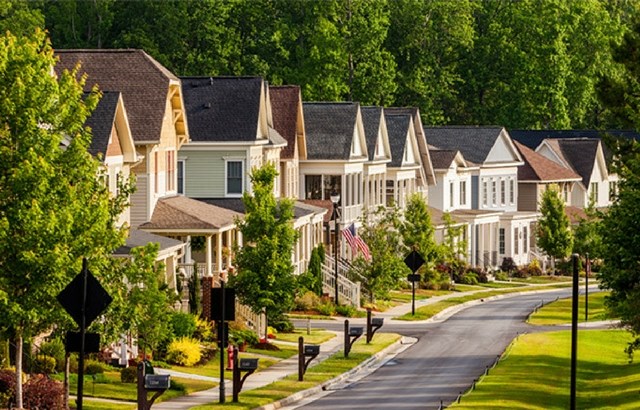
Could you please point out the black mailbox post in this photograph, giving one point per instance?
(373, 324)
(148, 381)
(306, 353)
(350, 336)
(241, 365)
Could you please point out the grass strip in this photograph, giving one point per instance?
(430, 310)
(315, 375)
(560, 311)
(536, 374)
(317, 336)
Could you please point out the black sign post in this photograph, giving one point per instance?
(94, 300)
(414, 261)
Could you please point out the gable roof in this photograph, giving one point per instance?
(141, 238)
(474, 142)
(442, 159)
(539, 168)
(579, 153)
(330, 128)
(533, 138)
(398, 128)
(143, 82)
(101, 122)
(223, 109)
(371, 119)
(285, 101)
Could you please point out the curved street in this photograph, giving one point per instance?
(444, 362)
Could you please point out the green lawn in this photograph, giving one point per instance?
(540, 280)
(317, 336)
(98, 405)
(559, 312)
(212, 368)
(315, 375)
(536, 374)
(428, 311)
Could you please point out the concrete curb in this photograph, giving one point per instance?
(376, 359)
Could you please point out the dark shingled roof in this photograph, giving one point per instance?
(533, 138)
(141, 238)
(101, 122)
(236, 205)
(222, 109)
(539, 168)
(475, 143)
(284, 110)
(371, 117)
(330, 128)
(397, 128)
(143, 82)
(442, 159)
(580, 153)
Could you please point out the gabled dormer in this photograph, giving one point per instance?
(404, 172)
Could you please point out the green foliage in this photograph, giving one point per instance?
(346, 310)
(184, 352)
(308, 301)
(183, 324)
(326, 308)
(195, 295)
(204, 330)
(92, 367)
(239, 337)
(265, 271)
(417, 230)
(312, 279)
(44, 364)
(588, 234)
(454, 247)
(554, 232)
(54, 348)
(621, 254)
(129, 374)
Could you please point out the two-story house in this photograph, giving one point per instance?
(498, 229)
(375, 169)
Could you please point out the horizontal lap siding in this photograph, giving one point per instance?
(205, 173)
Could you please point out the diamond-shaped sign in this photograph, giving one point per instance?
(96, 302)
(414, 261)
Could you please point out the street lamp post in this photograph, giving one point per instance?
(335, 198)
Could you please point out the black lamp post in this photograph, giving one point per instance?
(335, 198)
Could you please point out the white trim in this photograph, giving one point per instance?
(227, 160)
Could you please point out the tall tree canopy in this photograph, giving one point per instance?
(53, 207)
(554, 232)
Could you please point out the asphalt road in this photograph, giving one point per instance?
(444, 362)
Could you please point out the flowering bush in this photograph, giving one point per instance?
(40, 392)
(184, 352)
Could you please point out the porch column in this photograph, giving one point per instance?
(187, 252)
(219, 251)
(230, 246)
(209, 253)
(481, 246)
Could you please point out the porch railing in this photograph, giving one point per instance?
(347, 290)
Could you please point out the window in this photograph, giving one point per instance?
(451, 194)
(516, 241)
(171, 170)
(565, 192)
(594, 192)
(181, 177)
(156, 164)
(494, 192)
(613, 190)
(501, 241)
(485, 192)
(463, 192)
(331, 183)
(234, 177)
(512, 191)
(313, 186)
(525, 239)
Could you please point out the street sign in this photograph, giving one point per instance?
(414, 261)
(414, 277)
(97, 299)
(73, 340)
(229, 304)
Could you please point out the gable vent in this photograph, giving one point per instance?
(206, 105)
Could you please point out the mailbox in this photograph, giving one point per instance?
(377, 321)
(248, 364)
(156, 381)
(310, 350)
(356, 331)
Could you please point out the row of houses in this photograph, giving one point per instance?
(191, 143)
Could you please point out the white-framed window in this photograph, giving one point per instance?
(516, 241)
(525, 239)
(594, 192)
(485, 192)
(501, 241)
(181, 174)
(463, 192)
(503, 192)
(613, 189)
(170, 176)
(451, 194)
(234, 179)
(494, 192)
(512, 191)
(565, 192)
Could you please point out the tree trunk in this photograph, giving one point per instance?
(65, 384)
(19, 370)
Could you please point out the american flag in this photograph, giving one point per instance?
(356, 242)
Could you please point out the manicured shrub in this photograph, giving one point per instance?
(54, 348)
(177, 386)
(183, 324)
(508, 265)
(129, 374)
(346, 310)
(7, 387)
(40, 392)
(241, 337)
(184, 352)
(208, 353)
(502, 276)
(44, 364)
(93, 367)
(204, 330)
(308, 301)
(326, 308)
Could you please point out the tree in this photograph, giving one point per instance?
(311, 280)
(621, 254)
(18, 17)
(553, 229)
(53, 207)
(381, 232)
(588, 234)
(265, 271)
(417, 230)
